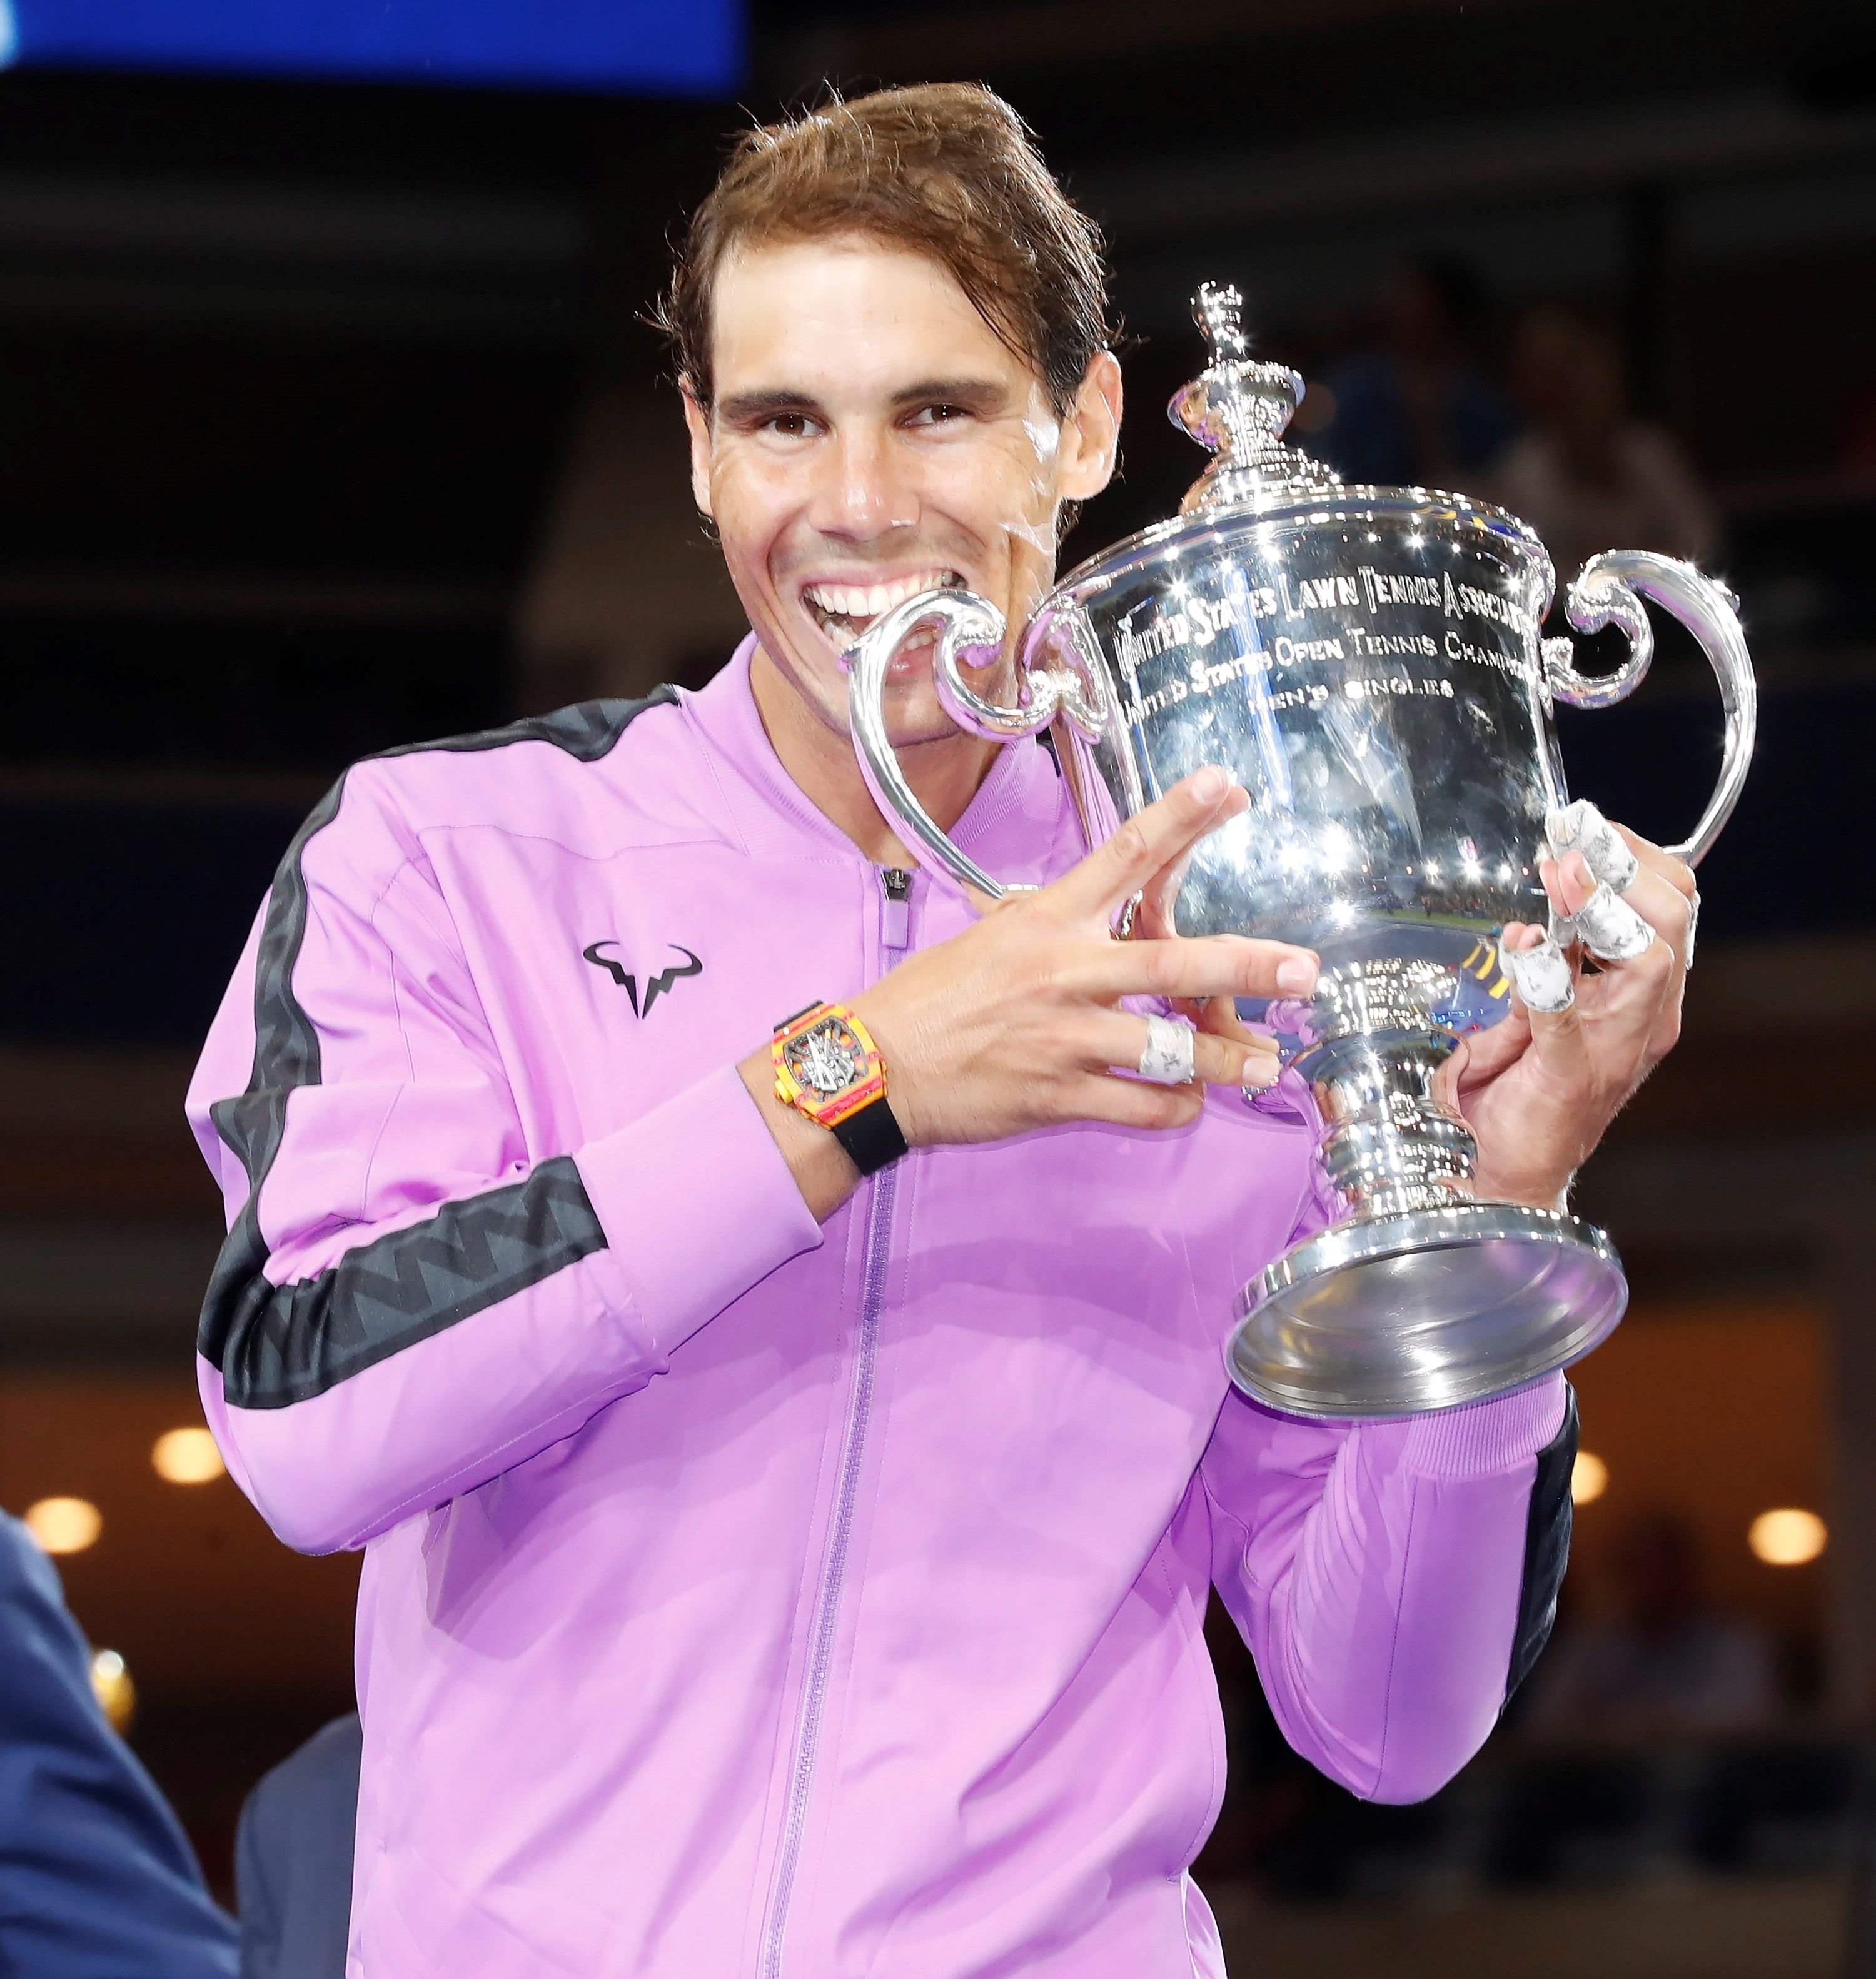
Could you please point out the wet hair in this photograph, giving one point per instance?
(946, 170)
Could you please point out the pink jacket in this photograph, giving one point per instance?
(743, 1597)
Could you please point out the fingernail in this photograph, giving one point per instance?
(1298, 976)
(1210, 783)
(1260, 1072)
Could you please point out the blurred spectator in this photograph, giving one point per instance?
(293, 1859)
(97, 1879)
(1587, 475)
(1666, 1664)
(1419, 411)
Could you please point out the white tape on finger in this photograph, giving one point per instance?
(1607, 926)
(1544, 976)
(1168, 1060)
(1581, 827)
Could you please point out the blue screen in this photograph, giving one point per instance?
(688, 47)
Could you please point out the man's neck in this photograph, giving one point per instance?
(944, 775)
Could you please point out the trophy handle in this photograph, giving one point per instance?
(965, 624)
(1604, 593)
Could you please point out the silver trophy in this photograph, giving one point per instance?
(1369, 663)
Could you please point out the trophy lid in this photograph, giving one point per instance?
(1239, 407)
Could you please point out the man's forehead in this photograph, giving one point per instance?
(846, 314)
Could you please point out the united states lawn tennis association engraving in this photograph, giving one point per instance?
(1195, 622)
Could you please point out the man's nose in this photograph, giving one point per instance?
(865, 489)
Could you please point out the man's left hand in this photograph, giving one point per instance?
(1539, 1089)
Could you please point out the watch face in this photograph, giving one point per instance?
(827, 1058)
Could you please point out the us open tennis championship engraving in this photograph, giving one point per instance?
(1370, 663)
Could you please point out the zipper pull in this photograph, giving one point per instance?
(895, 918)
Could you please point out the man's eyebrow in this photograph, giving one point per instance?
(744, 408)
(975, 395)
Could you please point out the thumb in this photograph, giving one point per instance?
(1446, 1081)
(1544, 987)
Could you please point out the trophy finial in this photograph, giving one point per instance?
(1239, 409)
(1218, 311)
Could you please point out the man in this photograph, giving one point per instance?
(97, 1878)
(293, 1859)
(773, 1570)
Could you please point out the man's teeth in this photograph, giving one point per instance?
(856, 603)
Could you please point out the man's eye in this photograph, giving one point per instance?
(790, 426)
(939, 415)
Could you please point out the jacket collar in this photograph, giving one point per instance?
(775, 817)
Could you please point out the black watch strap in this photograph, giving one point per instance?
(871, 1137)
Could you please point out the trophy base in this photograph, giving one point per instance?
(1393, 1315)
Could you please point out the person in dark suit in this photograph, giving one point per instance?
(293, 1859)
(97, 1878)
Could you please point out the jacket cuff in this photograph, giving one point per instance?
(697, 1204)
(1479, 1438)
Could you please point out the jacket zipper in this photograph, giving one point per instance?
(895, 938)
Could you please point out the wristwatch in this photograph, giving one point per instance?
(827, 1067)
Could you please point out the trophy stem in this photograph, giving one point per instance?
(1388, 1144)
(1374, 1050)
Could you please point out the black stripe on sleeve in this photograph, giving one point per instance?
(1546, 1545)
(286, 1344)
(276, 1346)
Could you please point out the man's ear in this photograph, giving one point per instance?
(697, 421)
(1091, 433)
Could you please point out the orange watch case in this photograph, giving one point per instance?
(827, 1065)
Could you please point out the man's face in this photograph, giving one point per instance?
(871, 438)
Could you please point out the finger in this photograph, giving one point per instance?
(1580, 827)
(1559, 1041)
(1593, 912)
(1539, 970)
(1483, 1055)
(1668, 911)
(1151, 840)
(1131, 1102)
(1613, 1028)
(1620, 927)
(1451, 1080)
(1663, 864)
(1202, 966)
(1219, 1015)
(1157, 913)
(1119, 1039)
(1656, 884)
(1569, 882)
(1610, 929)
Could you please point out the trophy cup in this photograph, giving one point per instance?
(1369, 663)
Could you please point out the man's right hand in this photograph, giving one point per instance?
(1016, 1023)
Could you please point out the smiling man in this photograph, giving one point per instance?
(786, 1415)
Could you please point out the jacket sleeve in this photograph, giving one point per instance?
(409, 1301)
(1394, 1579)
(96, 1880)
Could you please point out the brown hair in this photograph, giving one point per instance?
(947, 169)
